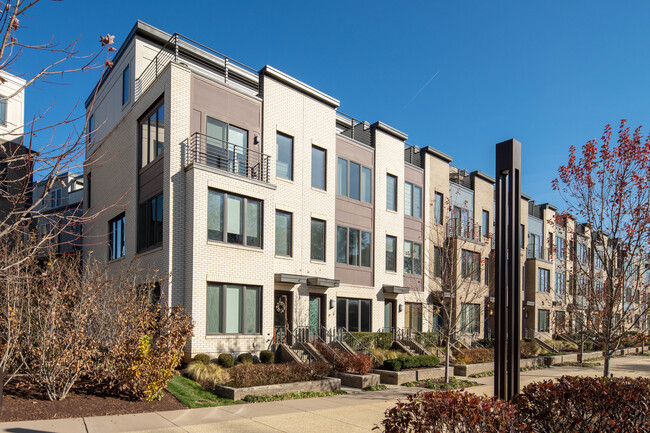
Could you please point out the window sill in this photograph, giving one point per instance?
(279, 256)
(392, 211)
(323, 191)
(317, 262)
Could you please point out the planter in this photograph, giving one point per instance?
(469, 369)
(630, 350)
(590, 355)
(400, 377)
(323, 385)
(561, 359)
(531, 362)
(357, 380)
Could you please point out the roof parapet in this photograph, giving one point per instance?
(390, 130)
(300, 86)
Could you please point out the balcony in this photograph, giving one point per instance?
(537, 252)
(459, 228)
(229, 157)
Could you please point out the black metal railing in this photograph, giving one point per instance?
(459, 228)
(229, 157)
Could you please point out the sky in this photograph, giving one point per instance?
(459, 76)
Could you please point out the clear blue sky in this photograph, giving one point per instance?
(548, 73)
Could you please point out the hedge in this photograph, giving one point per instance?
(381, 340)
(404, 362)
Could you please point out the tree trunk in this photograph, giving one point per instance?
(447, 360)
(582, 350)
(608, 355)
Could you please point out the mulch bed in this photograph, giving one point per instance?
(21, 402)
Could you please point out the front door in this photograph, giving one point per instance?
(315, 314)
(281, 317)
(389, 315)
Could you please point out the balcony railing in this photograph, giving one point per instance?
(229, 157)
(457, 228)
(536, 252)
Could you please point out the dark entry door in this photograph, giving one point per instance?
(281, 317)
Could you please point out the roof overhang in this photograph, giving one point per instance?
(397, 290)
(325, 283)
(290, 279)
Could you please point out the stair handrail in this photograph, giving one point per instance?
(296, 340)
(311, 331)
(345, 332)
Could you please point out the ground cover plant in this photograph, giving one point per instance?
(454, 383)
(491, 372)
(290, 396)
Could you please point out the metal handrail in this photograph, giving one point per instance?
(227, 156)
(296, 341)
(310, 331)
(342, 331)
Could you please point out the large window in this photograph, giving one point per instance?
(152, 134)
(391, 192)
(544, 281)
(284, 163)
(226, 146)
(543, 320)
(234, 219)
(353, 246)
(437, 262)
(354, 314)
(56, 198)
(462, 224)
(560, 286)
(116, 239)
(560, 248)
(150, 224)
(233, 309)
(412, 258)
(126, 82)
(485, 229)
(353, 180)
(471, 265)
(283, 233)
(391, 253)
(470, 318)
(318, 168)
(582, 253)
(91, 126)
(522, 234)
(439, 211)
(317, 239)
(412, 200)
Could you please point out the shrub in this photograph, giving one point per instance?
(267, 357)
(206, 375)
(382, 340)
(403, 362)
(529, 349)
(487, 343)
(242, 376)
(586, 404)
(475, 356)
(245, 358)
(383, 354)
(201, 357)
(226, 360)
(588, 345)
(451, 411)
(343, 361)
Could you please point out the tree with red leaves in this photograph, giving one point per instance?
(607, 187)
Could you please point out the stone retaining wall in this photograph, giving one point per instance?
(357, 380)
(327, 384)
(400, 377)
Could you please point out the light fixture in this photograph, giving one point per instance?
(505, 172)
(256, 140)
(401, 306)
(331, 303)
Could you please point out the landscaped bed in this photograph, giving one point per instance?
(441, 384)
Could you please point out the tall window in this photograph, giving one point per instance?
(413, 316)
(56, 198)
(318, 167)
(439, 211)
(91, 126)
(353, 246)
(560, 286)
(470, 318)
(353, 180)
(354, 314)
(126, 81)
(391, 253)
(412, 258)
(391, 192)
(471, 265)
(152, 134)
(560, 248)
(522, 234)
(317, 239)
(485, 229)
(284, 163)
(234, 219)
(461, 223)
(116, 239)
(233, 309)
(437, 262)
(226, 146)
(543, 282)
(412, 200)
(283, 233)
(3, 110)
(150, 224)
(543, 320)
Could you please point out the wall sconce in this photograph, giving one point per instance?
(400, 307)
(256, 140)
(331, 304)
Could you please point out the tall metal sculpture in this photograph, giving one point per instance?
(507, 266)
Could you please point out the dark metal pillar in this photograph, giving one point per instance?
(507, 267)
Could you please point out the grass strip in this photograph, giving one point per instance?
(192, 395)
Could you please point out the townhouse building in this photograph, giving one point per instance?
(271, 210)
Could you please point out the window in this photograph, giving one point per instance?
(471, 265)
(283, 233)
(462, 225)
(116, 239)
(318, 168)
(522, 234)
(353, 180)
(560, 249)
(439, 209)
(91, 127)
(412, 200)
(412, 258)
(353, 247)
(88, 187)
(391, 192)
(534, 246)
(55, 198)
(583, 253)
(234, 219)
(3, 110)
(437, 262)
(353, 314)
(233, 309)
(226, 146)
(470, 318)
(152, 134)
(485, 229)
(560, 286)
(413, 316)
(150, 224)
(317, 239)
(284, 163)
(543, 320)
(543, 281)
(391, 253)
(126, 82)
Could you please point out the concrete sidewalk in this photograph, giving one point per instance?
(356, 412)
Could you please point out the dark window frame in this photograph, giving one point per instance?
(147, 225)
(413, 269)
(277, 154)
(113, 234)
(153, 110)
(361, 327)
(244, 219)
(311, 243)
(359, 247)
(224, 308)
(395, 197)
(324, 153)
(290, 233)
(393, 267)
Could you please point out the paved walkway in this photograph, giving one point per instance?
(356, 412)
